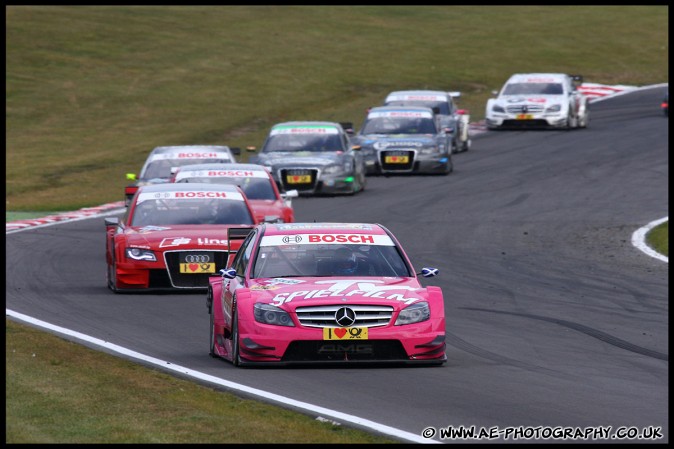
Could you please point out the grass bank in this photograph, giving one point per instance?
(61, 392)
(90, 90)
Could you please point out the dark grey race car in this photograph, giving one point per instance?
(404, 139)
(313, 157)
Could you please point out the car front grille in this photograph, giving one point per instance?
(300, 179)
(397, 160)
(535, 123)
(341, 351)
(325, 316)
(192, 280)
(530, 109)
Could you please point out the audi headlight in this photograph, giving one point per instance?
(415, 313)
(429, 150)
(332, 169)
(268, 314)
(140, 254)
(554, 108)
(337, 169)
(497, 108)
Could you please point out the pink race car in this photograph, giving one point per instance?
(300, 293)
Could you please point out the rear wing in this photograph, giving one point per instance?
(347, 127)
(577, 80)
(235, 234)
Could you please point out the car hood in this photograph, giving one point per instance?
(151, 181)
(173, 237)
(300, 158)
(290, 293)
(530, 99)
(385, 141)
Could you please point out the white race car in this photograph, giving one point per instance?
(541, 100)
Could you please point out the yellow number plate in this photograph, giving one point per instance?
(194, 268)
(397, 159)
(302, 179)
(345, 333)
(524, 117)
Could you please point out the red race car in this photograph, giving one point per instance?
(269, 205)
(173, 236)
(163, 161)
(301, 293)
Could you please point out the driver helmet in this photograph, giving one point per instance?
(345, 262)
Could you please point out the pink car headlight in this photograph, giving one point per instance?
(269, 314)
(415, 313)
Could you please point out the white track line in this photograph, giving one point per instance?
(284, 401)
(639, 239)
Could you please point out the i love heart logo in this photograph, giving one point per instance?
(340, 332)
(193, 266)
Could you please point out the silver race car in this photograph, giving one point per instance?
(313, 157)
(404, 139)
(163, 161)
(451, 119)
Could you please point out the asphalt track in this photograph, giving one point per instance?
(554, 319)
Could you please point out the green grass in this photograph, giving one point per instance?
(658, 238)
(58, 391)
(90, 90)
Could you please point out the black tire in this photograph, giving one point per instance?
(211, 332)
(112, 277)
(455, 147)
(356, 184)
(571, 122)
(211, 335)
(236, 358)
(466, 145)
(449, 168)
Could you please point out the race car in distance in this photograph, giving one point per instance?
(404, 139)
(173, 235)
(301, 293)
(539, 100)
(162, 161)
(665, 105)
(313, 158)
(451, 119)
(269, 205)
